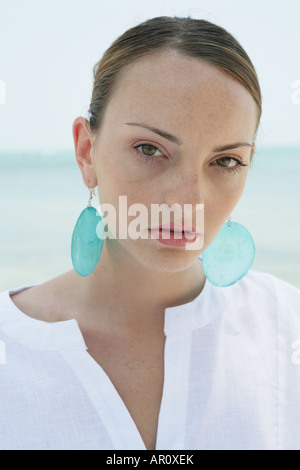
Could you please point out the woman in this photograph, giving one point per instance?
(145, 349)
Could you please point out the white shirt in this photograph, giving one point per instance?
(232, 376)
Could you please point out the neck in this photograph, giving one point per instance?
(130, 295)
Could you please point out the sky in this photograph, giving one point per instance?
(48, 49)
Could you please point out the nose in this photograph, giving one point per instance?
(187, 188)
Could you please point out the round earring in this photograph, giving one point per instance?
(87, 239)
(230, 256)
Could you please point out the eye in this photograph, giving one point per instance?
(229, 168)
(148, 153)
(151, 154)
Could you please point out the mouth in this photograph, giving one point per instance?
(173, 231)
(184, 235)
(177, 228)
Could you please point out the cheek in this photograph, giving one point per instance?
(238, 186)
(230, 187)
(221, 201)
(122, 192)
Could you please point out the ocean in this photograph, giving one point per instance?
(42, 195)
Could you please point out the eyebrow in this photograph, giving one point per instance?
(164, 134)
(177, 141)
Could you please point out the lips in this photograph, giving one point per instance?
(177, 228)
(172, 238)
(187, 233)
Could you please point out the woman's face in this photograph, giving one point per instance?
(202, 107)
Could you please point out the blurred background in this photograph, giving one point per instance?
(47, 52)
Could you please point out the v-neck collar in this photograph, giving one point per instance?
(66, 336)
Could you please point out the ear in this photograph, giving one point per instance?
(83, 149)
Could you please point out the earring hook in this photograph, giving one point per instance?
(92, 193)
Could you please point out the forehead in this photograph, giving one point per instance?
(175, 89)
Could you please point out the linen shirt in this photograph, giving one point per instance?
(231, 376)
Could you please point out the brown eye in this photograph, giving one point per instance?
(227, 167)
(147, 153)
(148, 149)
(225, 160)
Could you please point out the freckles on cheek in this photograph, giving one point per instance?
(121, 185)
(231, 186)
(224, 197)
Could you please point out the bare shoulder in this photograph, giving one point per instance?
(47, 301)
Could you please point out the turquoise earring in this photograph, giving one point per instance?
(230, 256)
(87, 240)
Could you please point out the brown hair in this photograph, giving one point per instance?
(196, 38)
